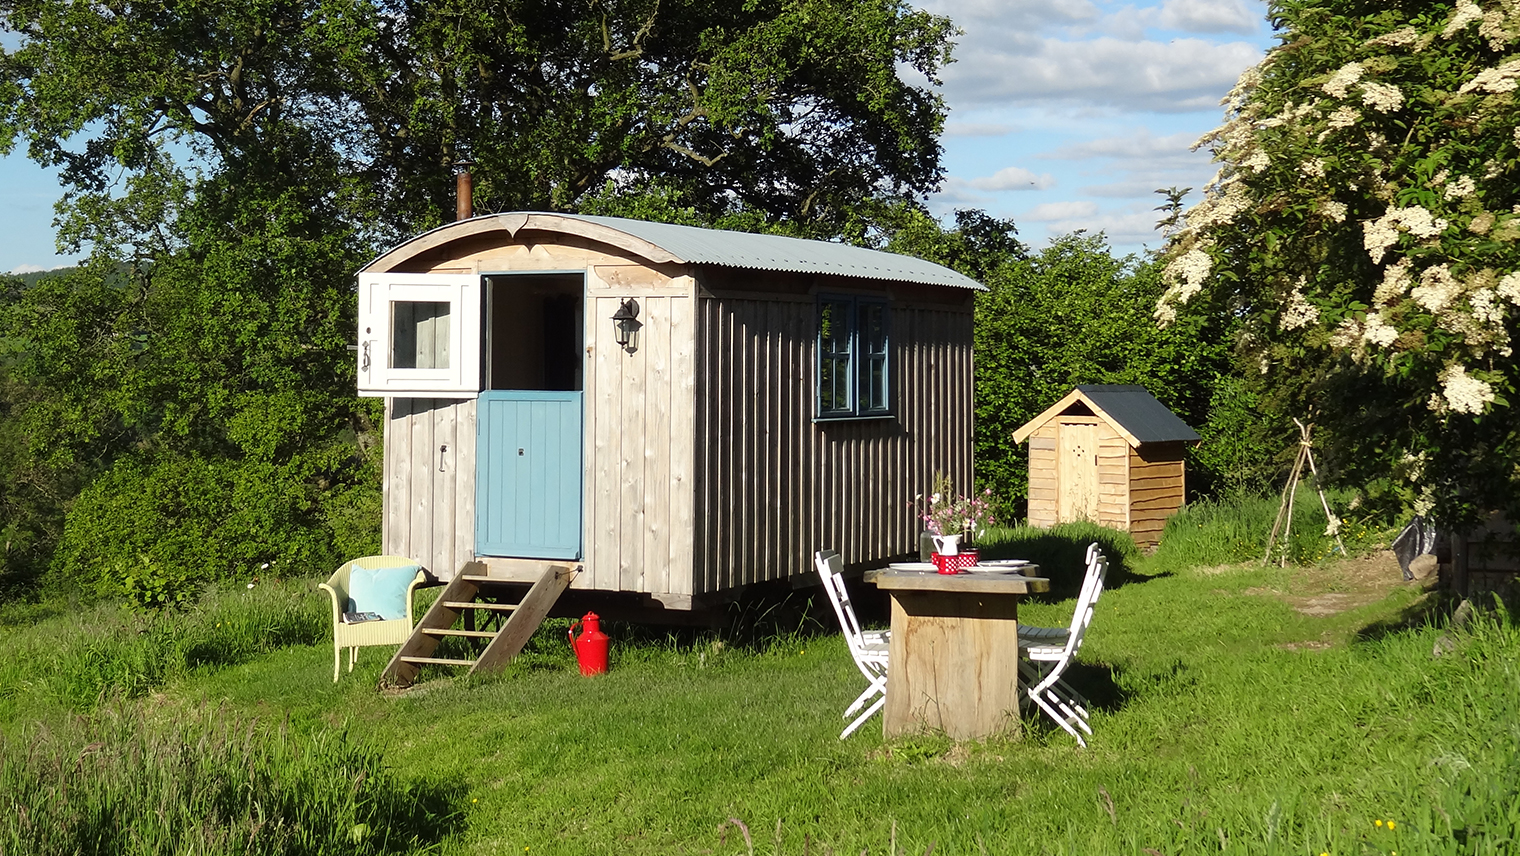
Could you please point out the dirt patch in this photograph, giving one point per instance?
(1332, 603)
(1341, 586)
(1310, 645)
(1215, 570)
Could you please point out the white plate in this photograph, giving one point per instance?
(989, 569)
(912, 566)
(1005, 563)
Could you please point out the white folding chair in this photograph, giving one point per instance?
(868, 648)
(1032, 636)
(1047, 663)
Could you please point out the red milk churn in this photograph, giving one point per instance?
(591, 647)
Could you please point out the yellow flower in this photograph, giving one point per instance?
(1379, 823)
(1390, 824)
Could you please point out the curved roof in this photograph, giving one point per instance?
(665, 242)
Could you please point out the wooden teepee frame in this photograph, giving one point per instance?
(1284, 521)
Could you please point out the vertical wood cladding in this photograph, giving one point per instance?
(429, 487)
(638, 487)
(772, 484)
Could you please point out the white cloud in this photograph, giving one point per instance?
(1183, 75)
(1134, 188)
(1013, 178)
(1129, 227)
(21, 269)
(955, 194)
(1056, 212)
(978, 129)
(1210, 16)
(1023, 15)
(1137, 145)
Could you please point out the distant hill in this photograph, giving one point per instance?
(37, 276)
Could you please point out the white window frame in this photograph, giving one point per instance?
(377, 292)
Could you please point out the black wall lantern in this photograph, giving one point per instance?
(627, 320)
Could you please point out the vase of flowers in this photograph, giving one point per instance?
(954, 522)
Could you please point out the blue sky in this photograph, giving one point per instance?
(1064, 115)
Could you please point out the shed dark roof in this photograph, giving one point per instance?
(1139, 413)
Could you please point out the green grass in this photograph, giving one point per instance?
(126, 783)
(1226, 722)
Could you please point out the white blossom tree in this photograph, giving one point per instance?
(1365, 224)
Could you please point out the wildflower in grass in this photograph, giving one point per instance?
(1378, 822)
(1390, 824)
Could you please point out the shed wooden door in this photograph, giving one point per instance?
(528, 476)
(1077, 463)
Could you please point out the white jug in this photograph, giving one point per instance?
(947, 545)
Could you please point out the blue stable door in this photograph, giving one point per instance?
(528, 474)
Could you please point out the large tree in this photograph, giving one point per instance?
(1365, 223)
(794, 108)
(188, 395)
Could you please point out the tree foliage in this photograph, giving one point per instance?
(1364, 225)
(182, 407)
(1070, 314)
(794, 108)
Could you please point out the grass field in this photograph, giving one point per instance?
(1241, 709)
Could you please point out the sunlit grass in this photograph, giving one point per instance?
(1226, 721)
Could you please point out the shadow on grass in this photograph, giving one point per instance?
(1097, 682)
(1061, 553)
(1433, 609)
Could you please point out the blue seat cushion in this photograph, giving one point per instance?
(381, 590)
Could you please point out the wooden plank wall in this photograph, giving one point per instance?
(639, 482)
(638, 441)
(1113, 473)
(1044, 482)
(430, 490)
(773, 485)
(1157, 486)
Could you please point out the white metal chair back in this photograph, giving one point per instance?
(829, 565)
(1052, 694)
(869, 650)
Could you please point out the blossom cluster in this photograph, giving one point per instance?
(1410, 163)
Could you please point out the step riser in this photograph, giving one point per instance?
(462, 594)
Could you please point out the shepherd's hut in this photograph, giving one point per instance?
(1109, 454)
(665, 414)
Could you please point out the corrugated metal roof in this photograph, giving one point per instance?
(1147, 419)
(779, 253)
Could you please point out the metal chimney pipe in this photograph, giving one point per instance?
(464, 191)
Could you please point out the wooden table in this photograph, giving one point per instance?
(954, 652)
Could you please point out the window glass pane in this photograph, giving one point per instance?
(419, 334)
(834, 356)
(834, 328)
(873, 358)
(873, 328)
(873, 386)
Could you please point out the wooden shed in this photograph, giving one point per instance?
(1109, 454)
(774, 396)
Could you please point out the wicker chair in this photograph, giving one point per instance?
(365, 633)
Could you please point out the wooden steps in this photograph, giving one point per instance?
(516, 622)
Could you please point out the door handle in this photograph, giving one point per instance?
(364, 358)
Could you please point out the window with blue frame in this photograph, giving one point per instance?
(854, 340)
